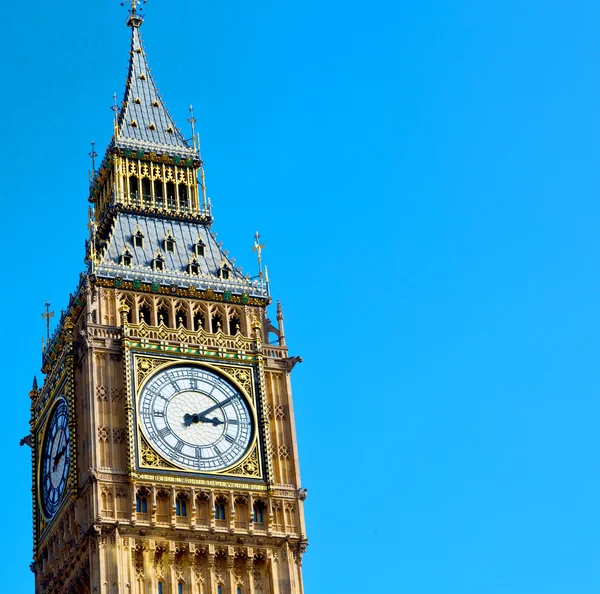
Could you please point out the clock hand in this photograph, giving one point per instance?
(218, 405)
(197, 418)
(189, 419)
(58, 456)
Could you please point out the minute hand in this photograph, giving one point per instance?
(218, 405)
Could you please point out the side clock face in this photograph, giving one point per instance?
(55, 459)
(195, 418)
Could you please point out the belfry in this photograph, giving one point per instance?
(164, 457)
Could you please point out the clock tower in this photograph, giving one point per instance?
(164, 455)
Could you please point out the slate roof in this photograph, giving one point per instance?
(176, 263)
(143, 121)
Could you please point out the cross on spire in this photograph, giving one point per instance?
(47, 316)
(93, 154)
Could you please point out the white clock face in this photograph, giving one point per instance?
(195, 418)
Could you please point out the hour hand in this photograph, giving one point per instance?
(214, 421)
(199, 418)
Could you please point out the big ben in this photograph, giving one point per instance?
(164, 455)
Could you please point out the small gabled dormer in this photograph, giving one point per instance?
(138, 238)
(169, 242)
(225, 271)
(194, 266)
(126, 257)
(158, 263)
(199, 247)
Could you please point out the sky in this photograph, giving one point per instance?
(424, 176)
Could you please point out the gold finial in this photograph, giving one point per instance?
(258, 248)
(47, 316)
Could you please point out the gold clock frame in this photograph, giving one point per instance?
(243, 377)
(62, 389)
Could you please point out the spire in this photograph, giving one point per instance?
(143, 122)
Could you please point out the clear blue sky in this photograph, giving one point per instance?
(425, 178)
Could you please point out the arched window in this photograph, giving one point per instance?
(219, 589)
(179, 588)
(163, 315)
(141, 504)
(181, 507)
(225, 272)
(162, 507)
(238, 591)
(158, 194)
(234, 325)
(183, 199)
(133, 188)
(171, 195)
(217, 323)
(259, 512)
(146, 195)
(181, 318)
(199, 322)
(160, 588)
(144, 313)
(219, 510)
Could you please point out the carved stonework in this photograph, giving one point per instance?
(249, 467)
(145, 366)
(242, 376)
(151, 458)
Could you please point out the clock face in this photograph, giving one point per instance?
(195, 418)
(56, 453)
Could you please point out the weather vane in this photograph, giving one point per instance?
(258, 248)
(134, 4)
(47, 316)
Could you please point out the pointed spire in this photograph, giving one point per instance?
(34, 387)
(143, 122)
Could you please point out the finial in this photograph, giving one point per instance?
(93, 154)
(135, 18)
(192, 120)
(258, 248)
(47, 316)
(115, 109)
(34, 387)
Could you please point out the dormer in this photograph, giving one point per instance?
(169, 242)
(158, 263)
(126, 257)
(138, 238)
(194, 266)
(225, 271)
(199, 247)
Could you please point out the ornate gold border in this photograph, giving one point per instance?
(62, 390)
(242, 376)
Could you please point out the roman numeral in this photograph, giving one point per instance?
(179, 446)
(164, 432)
(229, 438)
(159, 413)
